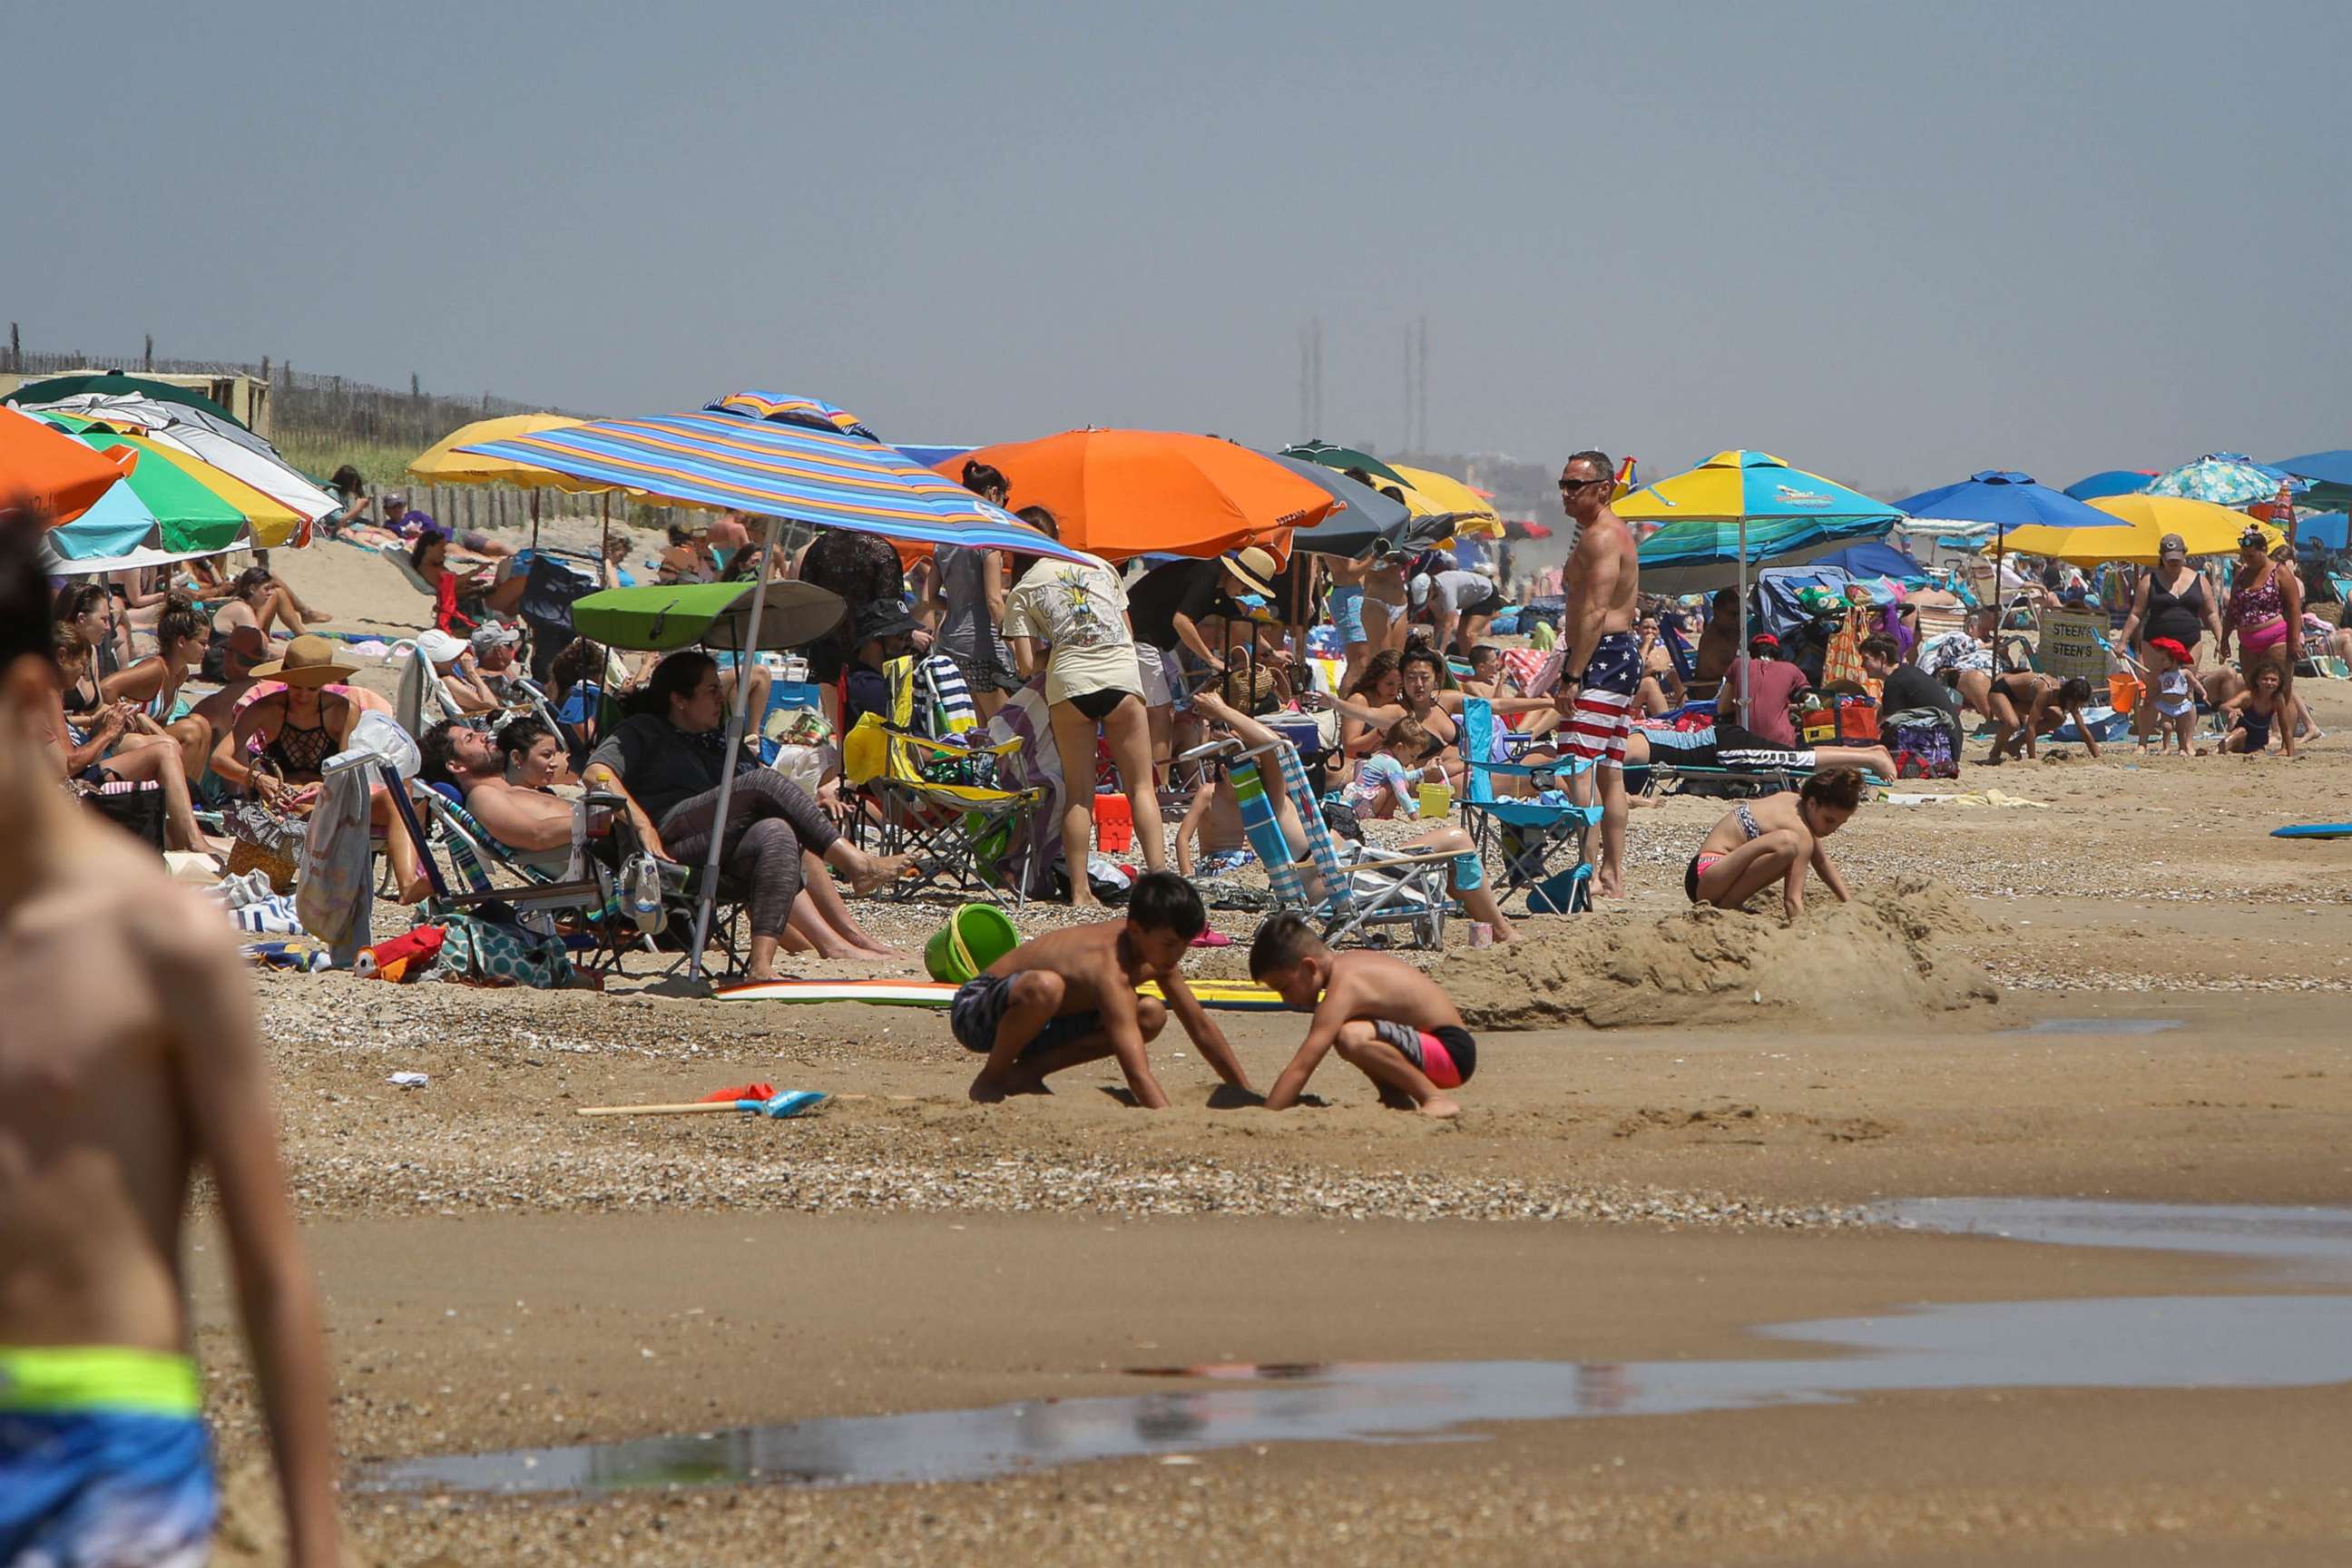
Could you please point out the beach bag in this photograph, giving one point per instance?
(266, 841)
(1857, 720)
(490, 952)
(1922, 746)
(136, 809)
(1842, 661)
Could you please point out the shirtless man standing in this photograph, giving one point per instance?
(130, 1056)
(1603, 659)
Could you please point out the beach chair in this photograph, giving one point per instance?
(1353, 899)
(579, 887)
(1526, 839)
(933, 788)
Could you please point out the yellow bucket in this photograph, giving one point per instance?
(1436, 800)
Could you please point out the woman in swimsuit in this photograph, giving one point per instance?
(2040, 703)
(1077, 609)
(153, 683)
(2265, 609)
(286, 736)
(256, 599)
(1375, 701)
(1775, 839)
(461, 602)
(1420, 697)
(106, 745)
(1384, 603)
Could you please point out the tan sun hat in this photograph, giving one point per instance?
(1254, 567)
(309, 660)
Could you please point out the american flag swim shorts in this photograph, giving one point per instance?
(1603, 711)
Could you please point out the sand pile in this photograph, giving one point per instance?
(1872, 958)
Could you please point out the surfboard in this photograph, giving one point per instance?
(1224, 995)
(2315, 830)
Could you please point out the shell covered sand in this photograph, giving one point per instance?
(1872, 958)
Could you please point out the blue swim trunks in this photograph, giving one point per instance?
(104, 1460)
(979, 1005)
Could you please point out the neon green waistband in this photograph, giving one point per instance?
(80, 1379)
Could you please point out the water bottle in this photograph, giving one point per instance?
(641, 893)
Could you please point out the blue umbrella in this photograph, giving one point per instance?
(2330, 474)
(1872, 559)
(2323, 530)
(2110, 482)
(2004, 500)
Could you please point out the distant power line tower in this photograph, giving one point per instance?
(1420, 402)
(1311, 380)
(1416, 387)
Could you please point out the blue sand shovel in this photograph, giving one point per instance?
(792, 1102)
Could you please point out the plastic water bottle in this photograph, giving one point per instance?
(641, 892)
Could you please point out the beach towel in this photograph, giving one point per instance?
(333, 895)
(1025, 717)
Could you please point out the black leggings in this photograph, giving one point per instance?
(770, 820)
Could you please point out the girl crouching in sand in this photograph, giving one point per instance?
(1775, 839)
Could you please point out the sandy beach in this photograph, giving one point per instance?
(2093, 980)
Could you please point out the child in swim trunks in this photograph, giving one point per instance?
(1069, 998)
(1384, 1017)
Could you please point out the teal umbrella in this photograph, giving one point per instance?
(1344, 459)
(2225, 479)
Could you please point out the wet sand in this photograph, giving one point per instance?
(1627, 1193)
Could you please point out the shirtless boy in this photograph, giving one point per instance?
(131, 1059)
(1604, 660)
(1384, 1017)
(1068, 998)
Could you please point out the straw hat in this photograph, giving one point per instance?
(309, 660)
(1254, 567)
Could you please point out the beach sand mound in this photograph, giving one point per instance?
(1875, 958)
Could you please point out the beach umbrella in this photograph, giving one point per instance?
(1123, 493)
(1474, 511)
(790, 408)
(2111, 482)
(1742, 509)
(2205, 528)
(658, 617)
(744, 461)
(2321, 531)
(1362, 522)
(2224, 479)
(194, 432)
(443, 464)
(270, 521)
(49, 468)
(114, 384)
(1343, 459)
(2330, 474)
(1524, 528)
(2006, 499)
(159, 506)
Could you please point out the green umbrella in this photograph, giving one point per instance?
(113, 384)
(188, 517)
(662, 617)
(1343, 459)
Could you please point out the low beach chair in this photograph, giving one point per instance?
(579, 888)
(1526, 839)
(1348, 900)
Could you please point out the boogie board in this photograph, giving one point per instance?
(1223, 996)
(2315, 830)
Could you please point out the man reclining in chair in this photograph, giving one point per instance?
(1477, 899)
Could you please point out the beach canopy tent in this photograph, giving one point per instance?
(1123, 493)
(223, 444)
(46, 466)
(2206, 528)
(2225, 479)
(2330, 474)
(114, 384)
(2111, 482)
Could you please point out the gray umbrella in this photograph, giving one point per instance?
(1357, 529)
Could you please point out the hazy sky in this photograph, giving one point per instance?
(1893, 242)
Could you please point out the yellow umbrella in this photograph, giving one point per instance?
(2204, 528)
(1442, 492)
(443, 464)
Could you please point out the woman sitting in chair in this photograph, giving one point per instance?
(153, 683)
(669, 755)
(460, 603)
(285, 737)
(116, 743)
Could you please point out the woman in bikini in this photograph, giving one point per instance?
(1374, 701)
(1094, 685)
(2265, 609)
(2040, 703)
(460, 603)
(286, 737)
(1775, 839)
(256, 599)
(1421, 697)
(102, 743)
(153, 683)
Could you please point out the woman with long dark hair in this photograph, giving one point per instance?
(968, 598)
(669, 756)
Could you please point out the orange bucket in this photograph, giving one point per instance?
(2123, 693)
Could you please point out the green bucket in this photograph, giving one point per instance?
(975, 936)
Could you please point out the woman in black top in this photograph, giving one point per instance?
(669, 756)
(863, 569)
(2172, 601)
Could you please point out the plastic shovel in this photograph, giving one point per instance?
(790, 1102)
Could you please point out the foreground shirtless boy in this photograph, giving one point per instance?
(1069, 999)
(127, 1056)
(1384, 1017)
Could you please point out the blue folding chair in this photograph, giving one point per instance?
(1523, 838)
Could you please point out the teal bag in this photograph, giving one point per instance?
(491, 953)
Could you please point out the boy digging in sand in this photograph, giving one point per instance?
(1068, 998)
(128, 1059)
(1384, 1017)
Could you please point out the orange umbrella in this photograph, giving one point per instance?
(1119, 493)
(62, 475)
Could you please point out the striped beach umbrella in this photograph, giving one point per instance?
(774, 467)
(191, 433)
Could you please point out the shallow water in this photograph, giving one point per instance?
(2161, 1342)
(2098, 1026)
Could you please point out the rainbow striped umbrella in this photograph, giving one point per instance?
(776, 466)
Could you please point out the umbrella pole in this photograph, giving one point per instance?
(534, 522)
(604, 544)
(1742, 655)
(735, 718)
